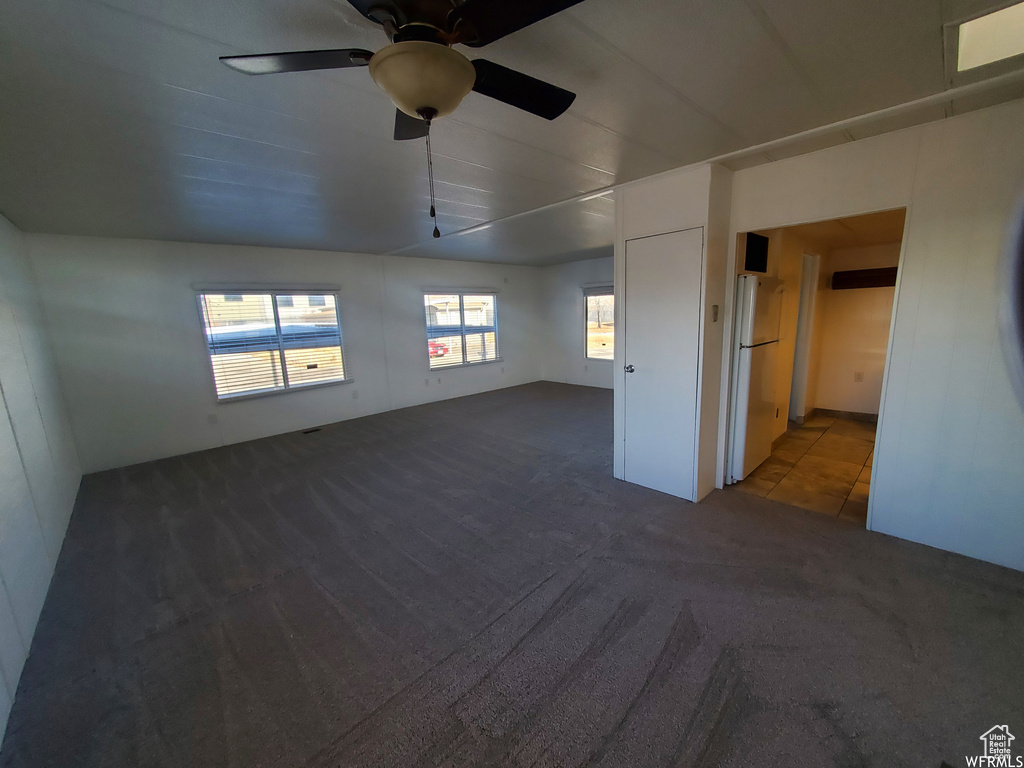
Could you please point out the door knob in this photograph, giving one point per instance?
(629, 368)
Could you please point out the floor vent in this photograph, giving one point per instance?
(310, 431)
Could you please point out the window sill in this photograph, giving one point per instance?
(599, 360)
(466, 365)
(275, 392)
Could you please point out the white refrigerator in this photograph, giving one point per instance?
(755, 352)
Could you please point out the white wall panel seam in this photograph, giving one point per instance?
(24, 470)
(12, 685)
(42, 425)
(61, 404)
(947, 393)
(886, 406)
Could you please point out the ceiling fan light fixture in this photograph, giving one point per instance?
(418, 75)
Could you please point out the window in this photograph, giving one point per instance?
(600, 323)
(462, 329)
(268, 342)
(991, 38)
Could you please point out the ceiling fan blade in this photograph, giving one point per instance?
(522, 91)
(377, 10)
(479, 22)
(298, 61)
(408, 127)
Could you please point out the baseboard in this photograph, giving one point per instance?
(870, 418)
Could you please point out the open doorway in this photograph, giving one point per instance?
(814, 309)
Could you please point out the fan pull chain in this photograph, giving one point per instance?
(430, 177)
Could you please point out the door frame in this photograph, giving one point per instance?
(732, 262)
(621, 454)
(619, 458)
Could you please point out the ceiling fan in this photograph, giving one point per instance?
(424, 76)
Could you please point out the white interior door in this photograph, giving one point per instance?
(661, 347)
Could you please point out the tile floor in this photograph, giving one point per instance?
(823, 465)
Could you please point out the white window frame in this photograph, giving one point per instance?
(462, 292)
(200, 291)
(594, 290)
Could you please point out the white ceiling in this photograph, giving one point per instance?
(880, 228)
(118, 120)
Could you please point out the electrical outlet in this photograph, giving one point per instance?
(426, 382)
(355, 394)
(503, 369)
(858, 376)
(438, 379)
(714, 313)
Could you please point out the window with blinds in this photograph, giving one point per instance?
(268, 342)
(462, 329)
(599, 322)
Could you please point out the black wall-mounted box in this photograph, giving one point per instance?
(756, 256)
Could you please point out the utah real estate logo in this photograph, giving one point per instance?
(998, 750)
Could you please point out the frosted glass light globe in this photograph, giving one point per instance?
(419, 75)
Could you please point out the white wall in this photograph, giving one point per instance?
(39, 472)
(562, 294)
(951, 434)
(851, 333)
(717, 277)
(131, 353)
(671, 202)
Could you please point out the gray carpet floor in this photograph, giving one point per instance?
(464, 583)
